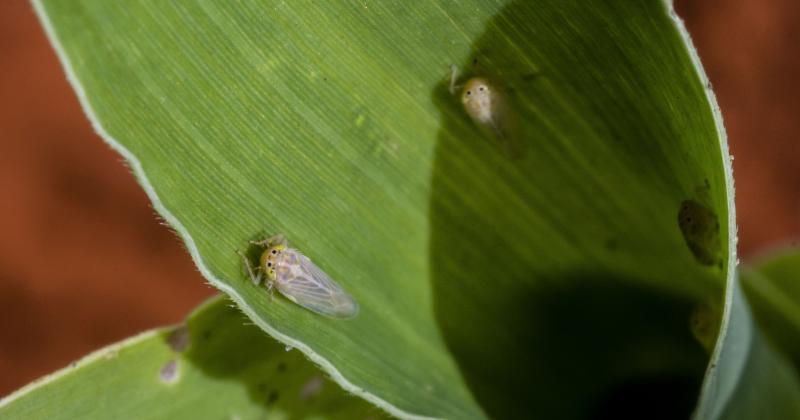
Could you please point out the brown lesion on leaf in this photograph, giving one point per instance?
(169, 372)
(700, 228)
(179, 339)
(312, 387)
(273, 397)
(704, 323)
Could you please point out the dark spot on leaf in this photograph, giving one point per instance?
(529, 77)
(179, 339)
(273, 397)
(312, 387)
(206, 334)
(704, 322)
(169, 372)
(282, 367)
(700, 229)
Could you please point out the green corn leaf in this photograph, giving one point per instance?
(748, 378)
(544, 261)
(772, 286)
(216, 366)
(754, 374)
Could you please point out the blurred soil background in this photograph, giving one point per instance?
(85, 262)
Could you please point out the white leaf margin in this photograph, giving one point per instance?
(173, 221)
(715, 393)
(716, 390)
(739, 339)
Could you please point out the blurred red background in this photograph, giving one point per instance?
(85, 262)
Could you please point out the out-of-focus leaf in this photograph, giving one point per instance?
(772, 286)
(748, 378)
(216, 366)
